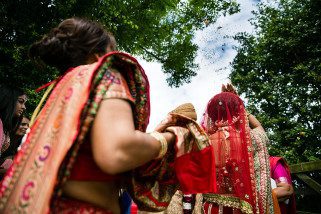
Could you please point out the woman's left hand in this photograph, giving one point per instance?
(283, 191)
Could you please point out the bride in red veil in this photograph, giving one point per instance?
(242, 162)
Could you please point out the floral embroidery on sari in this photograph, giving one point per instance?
(34, 158)
(262, 170)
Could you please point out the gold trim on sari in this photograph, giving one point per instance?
(229, 201)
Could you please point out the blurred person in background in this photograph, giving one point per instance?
(12, 107)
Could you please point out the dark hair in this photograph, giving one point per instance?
(71, 43)
(25, 116)
(8, 100)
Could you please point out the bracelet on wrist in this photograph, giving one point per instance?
(163, 142)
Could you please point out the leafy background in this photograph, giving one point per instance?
(277, 69)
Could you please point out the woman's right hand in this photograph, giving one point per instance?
(164, 124)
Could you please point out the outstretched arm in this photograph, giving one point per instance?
(117, 146)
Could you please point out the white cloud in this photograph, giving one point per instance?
(214, 57)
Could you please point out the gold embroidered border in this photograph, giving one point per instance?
(229, 201)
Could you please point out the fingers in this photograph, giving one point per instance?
(230, 88)
(223, 88)
(168, 121)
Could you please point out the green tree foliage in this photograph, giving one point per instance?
(160, 31)
(279, 70)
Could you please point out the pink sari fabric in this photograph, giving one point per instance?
(29, 183)
(280, 172)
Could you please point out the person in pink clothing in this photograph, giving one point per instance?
(280, 173)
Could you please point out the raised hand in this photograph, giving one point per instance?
(229, 88)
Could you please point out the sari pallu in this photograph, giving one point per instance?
(260, 184)
(45, 160)
(241, 158)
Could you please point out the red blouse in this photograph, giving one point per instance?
(85, 167)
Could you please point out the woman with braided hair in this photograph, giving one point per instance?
(90, 131)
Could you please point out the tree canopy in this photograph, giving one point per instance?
(279, 71)
(160, 31)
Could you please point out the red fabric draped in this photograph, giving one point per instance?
(194, 164)
(226, 123)
(188, 165)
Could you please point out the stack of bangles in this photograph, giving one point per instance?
(160, 138)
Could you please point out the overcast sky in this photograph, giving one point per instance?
(214, 57)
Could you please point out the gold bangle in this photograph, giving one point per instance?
(160, 138)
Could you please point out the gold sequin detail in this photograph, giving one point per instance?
(229, 201)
